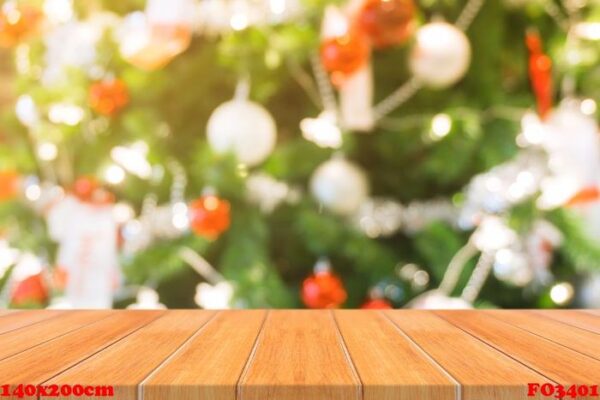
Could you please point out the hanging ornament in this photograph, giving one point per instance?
(31, 291)
(387, 22)
(18, 23)
(152, 39)
(344, 55)
(377, 304)
(437, 300)
(28, 283)
(210, 216)
(214, 297)
(323, 289)
(540, 73)
(441, 55)
(108, 97)
(244, 128)
(9, 185)
(147, 299)
(340, 186)
(323, 130)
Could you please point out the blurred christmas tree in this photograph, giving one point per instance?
(287, 153)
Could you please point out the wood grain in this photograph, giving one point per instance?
(19, 319)
(577, 339)
(127, 363)
(209, 366)
(482, 371)
(42, 362)
(550, 359)
(300, 356)
(380, 352)
(581, 319)
(19, 340)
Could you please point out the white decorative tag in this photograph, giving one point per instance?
(87, 237)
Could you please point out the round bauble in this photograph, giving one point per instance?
(323, 289)
(108, 97)
(387, 22)
(441, 55)
(244, 128)
(210, 216)
(377, 304)
(343, 55)
(31, 291)
(9, 185)
(18, 23)
(340, 186)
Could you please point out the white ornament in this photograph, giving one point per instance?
(217, 297)
(147, 299)
(436, 300)
(323, 130)
(340, 186)
(244, 128)
(441, 55)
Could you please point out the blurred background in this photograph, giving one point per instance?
(299, 153)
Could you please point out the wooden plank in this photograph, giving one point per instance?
(19, 319)
(19, 340)
(127, 363)
(582, 320)
(552, 360)
(299, 356)
(209, 366)
(390, 365)
(41, 363)
(577, 339)
(482, 371)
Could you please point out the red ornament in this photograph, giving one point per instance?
(540, 73)
(387, 22)
(377, 304)
(89, 190)
(9, 185)
(17, 23)
(210, 216)
(323, 289)
(108, 97)
(30, 291)
(585, 196)
(344, 55)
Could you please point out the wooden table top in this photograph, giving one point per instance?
(301, 355)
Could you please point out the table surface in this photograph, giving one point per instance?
(308, 355)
